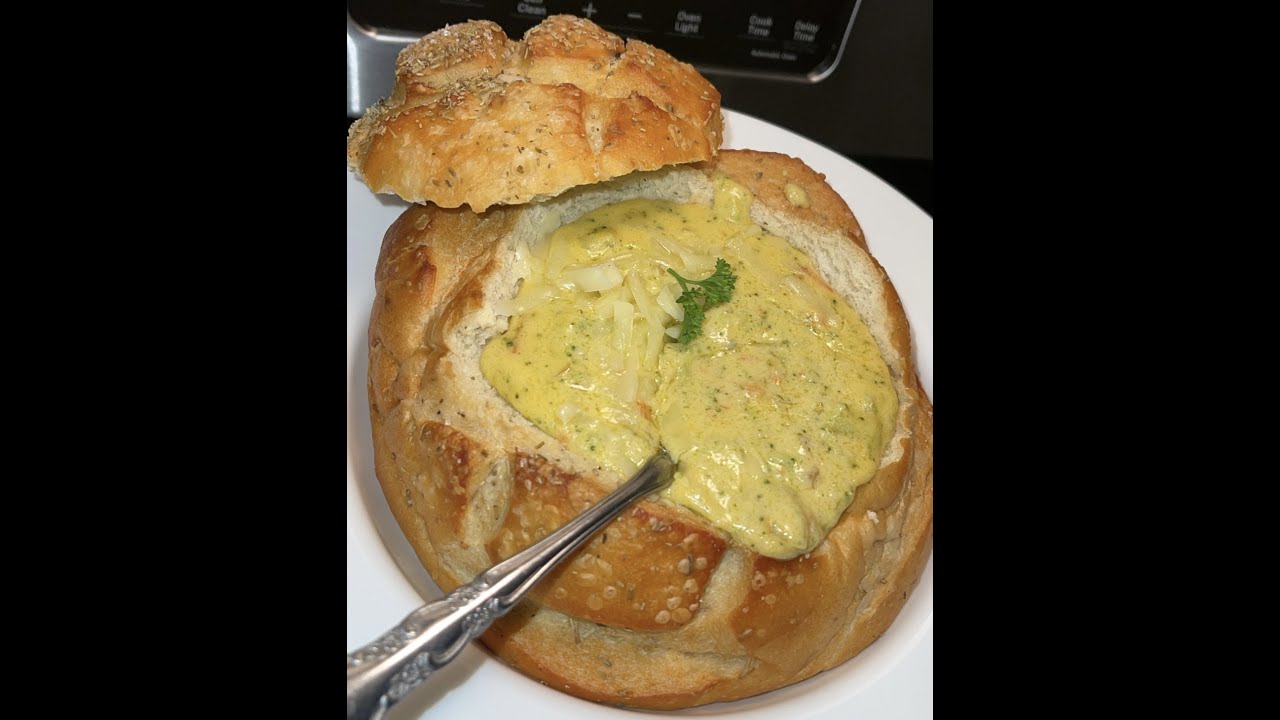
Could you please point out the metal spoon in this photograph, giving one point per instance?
(385, 671)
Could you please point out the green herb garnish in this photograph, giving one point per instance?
(702, 296)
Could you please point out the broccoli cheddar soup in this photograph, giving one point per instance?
(648, 324)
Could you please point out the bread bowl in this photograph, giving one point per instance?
(449, 450)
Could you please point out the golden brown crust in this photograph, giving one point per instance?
(659, 611)
(478, 119)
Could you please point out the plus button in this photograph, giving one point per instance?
(589, 9)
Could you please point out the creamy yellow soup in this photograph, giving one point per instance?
(774, 414)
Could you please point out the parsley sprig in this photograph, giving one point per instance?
(702, 296)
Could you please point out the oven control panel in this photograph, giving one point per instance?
(799, 40)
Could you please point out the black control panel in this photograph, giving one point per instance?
(789, 39)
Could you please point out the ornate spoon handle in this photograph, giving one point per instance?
(382, 673)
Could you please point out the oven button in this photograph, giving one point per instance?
(688, 23)
(758, 26)
(532, 8)
(805, 31)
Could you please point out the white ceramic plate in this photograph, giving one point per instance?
(891, 679)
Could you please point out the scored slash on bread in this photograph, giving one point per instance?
(478, 119)
(658, 611)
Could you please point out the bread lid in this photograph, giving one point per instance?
(478, 119)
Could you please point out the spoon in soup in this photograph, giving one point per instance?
(385, 671)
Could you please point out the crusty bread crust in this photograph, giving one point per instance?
(696, 618)
(478, 119)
